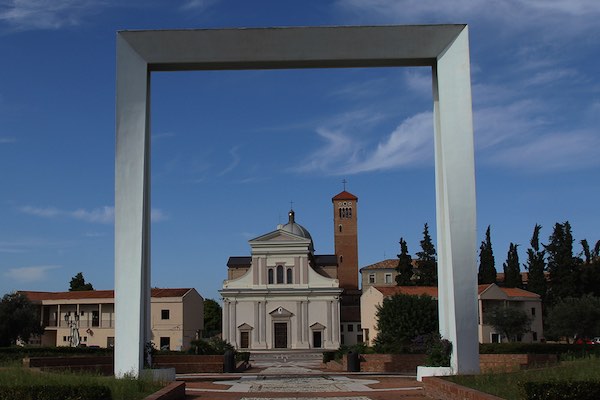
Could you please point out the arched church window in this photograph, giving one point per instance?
(349, 212)
(341, 259)
(288, 273)
(340, 211)
(270, 276)
(340, 227)
(280, 274)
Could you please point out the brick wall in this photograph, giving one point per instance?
(440, 389)
(408, 362)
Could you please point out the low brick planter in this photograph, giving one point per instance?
(100, 364)
(173, 391)
(440, 389)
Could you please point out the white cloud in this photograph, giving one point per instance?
(409, 144)
(551, 152)
(30, 274)
(235, 160)
(419, 81)
(198, 5)
(7, 140)
(42, 14)
(101, 215)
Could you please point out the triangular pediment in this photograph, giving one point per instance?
(280, 312)
(245, 327)
(279, 236)
(317, 327)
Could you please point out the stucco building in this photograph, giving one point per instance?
(284, 296)
(177, 317)
(489, 296)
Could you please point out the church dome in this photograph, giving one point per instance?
(296, 229)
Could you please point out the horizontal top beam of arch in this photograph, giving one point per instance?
(292, 47)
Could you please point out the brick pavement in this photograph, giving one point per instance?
(301, 379)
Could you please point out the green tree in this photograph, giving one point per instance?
(19, 319)
(426, 260)
(590, 269)
(509, 321)
(487, 268)
(563, 268)
(574, 317)
(78, 283)
(213, 317)
(404, 268)
(401, 318)
(536, 265)
(512, 268)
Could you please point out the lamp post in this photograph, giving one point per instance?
(73, 324)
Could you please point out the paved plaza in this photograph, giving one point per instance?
(291, 377)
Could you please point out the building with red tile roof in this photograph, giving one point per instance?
(489, 296)
(87, 317)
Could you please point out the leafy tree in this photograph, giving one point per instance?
(562, 266)
(574, 317)
(536, 280)
(427, 273)
(404, 268)
(590, 269)
(487, 268)
(401, 318)
(78, 283)
(508, 321)
(512, 268)
(19, 319)
(213, 317)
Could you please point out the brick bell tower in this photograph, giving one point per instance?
(345, 214)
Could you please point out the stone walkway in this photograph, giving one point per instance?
(290, 378)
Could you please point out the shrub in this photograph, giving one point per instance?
(212, 346)
(55, 392)
(328, 356)
(242, 356)
(557, 390)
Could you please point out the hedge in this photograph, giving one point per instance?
(569, 350)
(55, 392)
(567, 390)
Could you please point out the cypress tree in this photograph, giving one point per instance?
(512, 268)
(404, 268)
(562, 266)
(487, 269)
(536, 280)
(590, 269)
(427, 261)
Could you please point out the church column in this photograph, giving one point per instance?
(329, 322)
(336, 320)
(226, 321)
(256, 330)
(263, 321)
(299, 322)
(233, 331)
(305, 318)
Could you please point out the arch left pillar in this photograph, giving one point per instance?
(132, 211)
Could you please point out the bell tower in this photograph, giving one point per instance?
(345, 215)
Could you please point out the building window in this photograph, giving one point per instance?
(341, 259)
(534, 336)
(244, 339)
(340, 228)
(533, 311)
(359, 338)
(342, 328)
(342, 339)
(388, 278)
(164, 314)
(359, 327)
(95, 318)
(350, 328)
(165, 343)
(288, 276)
(280, 274)
(270, 274)
(371, 278)
(64, 338)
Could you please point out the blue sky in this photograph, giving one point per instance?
(231, 149)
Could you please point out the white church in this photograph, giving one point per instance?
(284, 296)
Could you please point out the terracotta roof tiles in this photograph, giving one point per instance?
(97, 294)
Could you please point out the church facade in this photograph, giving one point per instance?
(284, 296)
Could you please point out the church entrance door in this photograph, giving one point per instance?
(281, 335)
(317, 339)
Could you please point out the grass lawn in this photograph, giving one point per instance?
(121, 389)
(509, 385)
